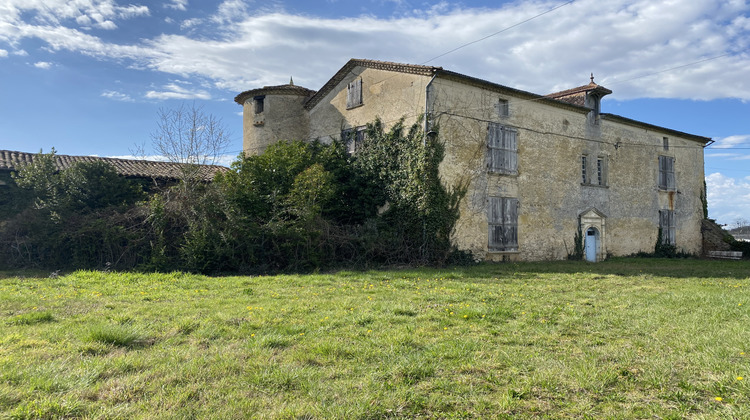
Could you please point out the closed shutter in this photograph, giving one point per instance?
(354, 94)
(667, 225)
(510, 223)
(666, 173)
(502, 215)
(502, 143)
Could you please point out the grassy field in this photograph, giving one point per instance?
(626, 338)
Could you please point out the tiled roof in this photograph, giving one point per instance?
(12, 160)
(288, 89)
(577, 95)
(373, 64)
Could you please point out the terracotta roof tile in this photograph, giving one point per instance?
(280, 89)
(12, 160)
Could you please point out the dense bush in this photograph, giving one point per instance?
(297, 207)
(83, 217)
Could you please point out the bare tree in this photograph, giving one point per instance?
(191, 137)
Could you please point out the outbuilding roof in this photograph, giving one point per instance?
(132, 168)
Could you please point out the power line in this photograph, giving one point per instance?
(497, 33)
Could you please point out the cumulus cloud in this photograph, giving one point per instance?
(42, 65)
(174, 91)
(627, 43)
(3, 53)
(728, 198)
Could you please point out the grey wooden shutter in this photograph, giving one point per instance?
(670, 173)
(354, 93)
(511, 148)
(510, 224)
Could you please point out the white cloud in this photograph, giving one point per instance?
(107, 24)
(728, 198)
(117, 96)
(626, 43)
(43, 65)
(3, 53)
(177, 5)
(732, 141)
(174, 91)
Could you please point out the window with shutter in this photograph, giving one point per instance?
(666, 173)
(667, 226)
(354, 94)
(353, 138)
(502, 215)
(502, 143)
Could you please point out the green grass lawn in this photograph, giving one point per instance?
(626, 338)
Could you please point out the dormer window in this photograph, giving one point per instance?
(354, 94)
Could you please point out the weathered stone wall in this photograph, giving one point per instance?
(548, 185)
(387, 95)
(283, 118)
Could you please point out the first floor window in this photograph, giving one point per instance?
(667, 227)
(600, 179)
(503, 224)
(502, 143)
(666, 173)
(584, 169)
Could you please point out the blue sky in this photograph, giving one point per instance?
(88, 76)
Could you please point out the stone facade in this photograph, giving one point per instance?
(538, 168)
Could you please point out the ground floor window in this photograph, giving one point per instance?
(667, 226)
(502, 216)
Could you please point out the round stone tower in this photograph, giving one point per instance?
(273, 113)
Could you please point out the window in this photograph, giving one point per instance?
(502, 108)
(665, 143)
(354, 94)
(666, 225)
(601, 171)
(503, 148)
(502, 216)
(258, 101)
(584, 164)
(353, 138)
(666, 173)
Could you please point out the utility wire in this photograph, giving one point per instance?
(496, 33)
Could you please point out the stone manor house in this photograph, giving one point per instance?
(538, 167)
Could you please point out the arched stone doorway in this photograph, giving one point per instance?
(593, 227)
